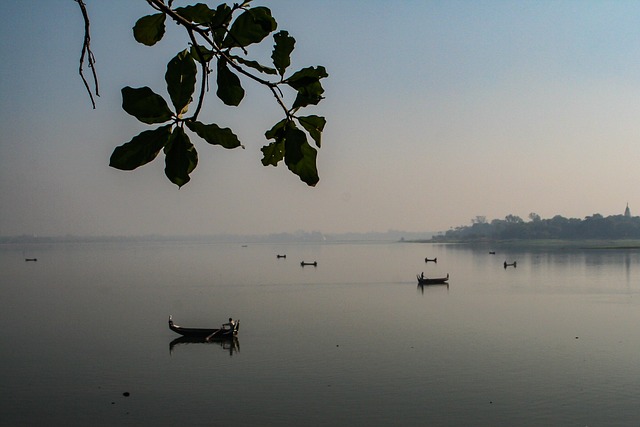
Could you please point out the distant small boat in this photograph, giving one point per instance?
(281, 256)
(431, 260)
(314, 263)
(492, 252)
(31, 259)
(205, 333)
(432, 281)
(513, 264)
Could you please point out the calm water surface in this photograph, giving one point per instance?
(352, 341)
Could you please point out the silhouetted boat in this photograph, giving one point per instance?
(205, 333)
(513, 264)
(31, 259)
(282, 256)
(431, 260)
(315, 263)
(432, 281)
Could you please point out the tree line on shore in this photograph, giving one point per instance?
(595, 226)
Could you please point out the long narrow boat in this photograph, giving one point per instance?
(205, 333)
(432, 281)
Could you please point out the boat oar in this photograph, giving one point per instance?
(213, 335)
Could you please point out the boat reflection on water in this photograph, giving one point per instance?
(230, 344)
(421, 287)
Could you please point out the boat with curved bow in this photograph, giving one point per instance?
(433, 280)
(224, 332)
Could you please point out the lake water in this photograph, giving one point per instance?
(353, 341)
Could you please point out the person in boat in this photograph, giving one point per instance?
(422, 275)
(230, 324)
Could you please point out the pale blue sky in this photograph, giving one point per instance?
(437, 111)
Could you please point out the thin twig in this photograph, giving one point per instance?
(88, 54)
(205, 74)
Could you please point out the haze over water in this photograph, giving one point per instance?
(437, 112)
(352, 341)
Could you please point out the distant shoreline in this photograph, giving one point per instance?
(284, 238)
(294, 237)
(630, 244)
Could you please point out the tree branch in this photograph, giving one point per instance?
(192, 29)
(88, 54)
(205, 74)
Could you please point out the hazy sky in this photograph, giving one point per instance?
(437, 111)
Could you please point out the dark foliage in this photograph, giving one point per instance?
(558, 227)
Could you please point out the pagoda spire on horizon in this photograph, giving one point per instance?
(627, 212)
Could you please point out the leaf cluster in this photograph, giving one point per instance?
(218, 39)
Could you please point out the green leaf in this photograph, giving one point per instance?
(181, 81)
(272, 153)
(214, 134)
(306, 168)
(230, 90)
(220, 22)
(300, 157)
(308, 95)
(198, 13)
(314, 125)
(307, 83)
(291, 145)
(145, 105)
(294, 139)
(207, 55)
(181, 157)
(277, 131)
(281, 56)
(306, 77)
(142, 149)
(149, 29)
(255, 65)
(252, 26)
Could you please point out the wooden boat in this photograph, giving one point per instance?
(431, 260)
(31, 259)
(314, 263)
(282, 256)
(513, 264)
(205, 333)
(432, 281)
